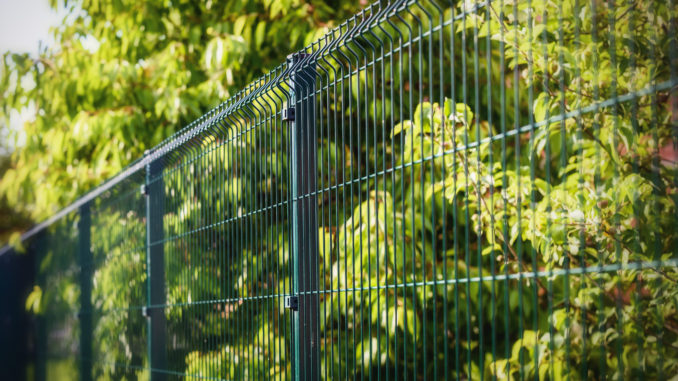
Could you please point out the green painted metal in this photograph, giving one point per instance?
(85, 313)
(304, 223)
(466, 190)
(155, 271)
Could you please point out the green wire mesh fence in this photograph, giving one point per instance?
(457, 190)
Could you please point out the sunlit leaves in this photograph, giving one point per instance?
(126, 75)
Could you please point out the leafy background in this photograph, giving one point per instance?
(124, 75)
(596, 189)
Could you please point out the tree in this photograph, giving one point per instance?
(124, 75)
(474, 221)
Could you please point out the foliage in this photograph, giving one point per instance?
(587, 191)
(13, 221)
(126, 74)
(518, 242)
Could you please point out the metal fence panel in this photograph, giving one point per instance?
(458, 190)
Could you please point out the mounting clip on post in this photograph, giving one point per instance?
(292, 303)
(288, 114)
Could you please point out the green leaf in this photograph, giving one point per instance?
(400, 127)
(34, 300)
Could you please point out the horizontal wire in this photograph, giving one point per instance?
(524, 275)
(222, 222)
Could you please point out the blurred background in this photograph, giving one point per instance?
(86, 86)
(523, 149)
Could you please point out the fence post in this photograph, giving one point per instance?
(38, 247)
(155, 268)
(304, 223)
(85, 315)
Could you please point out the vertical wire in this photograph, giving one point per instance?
(248, 249)
(320, 288)
(250, 215)
(654, 126)
(477, 186)
(532, 186)
(360, 143)
(239, 253)
(504, 182)
(266, 229)
(215, 224)
(616, 175)
(194, 236)
(232, 247)
(222, 213)
(384, 169)
(411, 172)
(257, 210)
(251, 241)
(563, 166)
(238, 247)
(327, 256)
(242, 248)
(638, 279)
(350, 143)
(673, 93)
(202, 249)
(194, 247)
(249, 237)
(519, 202)
(434, 274)
(403, 280)
(278, 143)
(268, 206)
(340, 184)
(368, 196)
(203, 244)
(320, 191)
(420, 73)
(262, 210)
(188, 242)
(387, 260)
(550, 248)
(366, 144)
(596, 181)
(290, 270)
(466, 207)
(445, 280)
(266, 263)
(455, 216)
(490, 172)
(183, 242)
(180, 243)
(580, 188)
(375, 124)
(277, 201)
(214, 296)
(344, 182)
(333, 222)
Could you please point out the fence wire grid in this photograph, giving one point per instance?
(433, 190)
